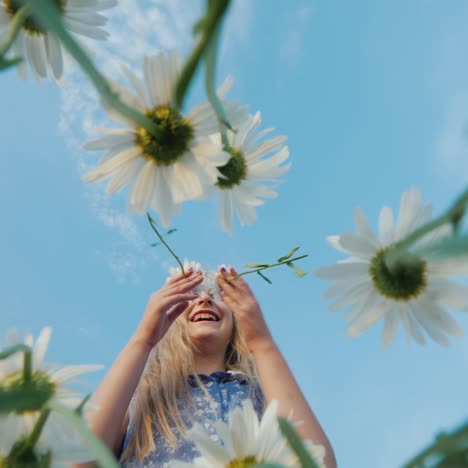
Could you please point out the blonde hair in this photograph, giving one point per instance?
(164, 385)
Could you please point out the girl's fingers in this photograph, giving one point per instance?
(176, 279)
(184, 284)
(178, 298)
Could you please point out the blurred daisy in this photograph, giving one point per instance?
(41, 49)
(209, 284)
(49, 381)
(416, 293)
(246, 441)
(57, 447)
(162, 172)
(239, 187)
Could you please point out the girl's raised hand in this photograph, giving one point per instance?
(240, 299)
(165, 305)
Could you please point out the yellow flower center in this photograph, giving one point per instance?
(234, 171)
(247, 462)
(30, 25)
(407, 280)
(177, 134)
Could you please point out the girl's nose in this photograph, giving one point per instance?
(204, 298)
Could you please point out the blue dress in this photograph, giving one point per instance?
(227, 390)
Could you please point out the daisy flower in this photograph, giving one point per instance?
(246, 441)
(47, 380)
(209, 284)
(238, 186)
(162, 172)
(416, 293)
(41, 49)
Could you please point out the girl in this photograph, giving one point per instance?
(193, 358)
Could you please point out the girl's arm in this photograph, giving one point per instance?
(113, 395)
(276, 379)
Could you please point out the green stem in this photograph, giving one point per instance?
(153, 226)
(453, 215)
(210, 59)
(266, 267)
(213, 17)
(49, 15)
(16, 24)
(37, 429)
(5, 354)
(27, 366)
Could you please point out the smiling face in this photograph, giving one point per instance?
(209, 320)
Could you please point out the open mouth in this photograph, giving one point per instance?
(204, 316)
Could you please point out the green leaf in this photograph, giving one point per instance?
(103, 455)
(296, 444)
(289, 255)
(264, 277)
(171, 231)
(80, 407)
(13, 350)
(298, 271)
(9, 63)
(257, 265)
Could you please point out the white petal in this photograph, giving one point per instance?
(54, 55)
(209, 449)
(142, 192)
(368, 319)
(36, 55)
(342, 287)
(108, 141)
(124, 175)
(386, 225)
(107, 168)
(246, 214)
(265, 147)
(40, 347)
(357, 245)
(353, 295)
(149, 82)
(390, 325)
(344, 270)
(411, 204)
(364, 229)
(449, 294)
(162, 197)
(432, 330)
(138, 86)
(454, 267)
(439, 317)
(211, 153)
(412, 327)
(191, 178)
(68, 372)
(225, 211)
(85, 30)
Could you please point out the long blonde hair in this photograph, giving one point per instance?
(164, 385)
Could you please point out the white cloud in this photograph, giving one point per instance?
(237, 27)
(452, 140)
(297, 22)
(136, 28)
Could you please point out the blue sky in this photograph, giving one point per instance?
(373, 96)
